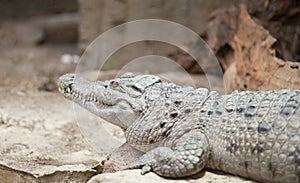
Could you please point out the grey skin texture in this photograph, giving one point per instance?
(253, 134)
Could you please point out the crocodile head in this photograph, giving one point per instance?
(118, 101)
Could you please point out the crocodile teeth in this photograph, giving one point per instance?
(68, 90)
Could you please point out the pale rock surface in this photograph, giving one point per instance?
(134, 176)
(40, 141)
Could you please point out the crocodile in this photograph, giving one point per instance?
(183, 130)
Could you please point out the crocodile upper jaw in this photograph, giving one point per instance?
(116, 107)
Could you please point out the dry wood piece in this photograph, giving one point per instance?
(257, 67)
(221, 28)
(282, 19)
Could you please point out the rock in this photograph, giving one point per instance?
(134, 176)
(121, 157)
(40, 141)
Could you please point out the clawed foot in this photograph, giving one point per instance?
(144, 169)
(168, 163)
(150, 160)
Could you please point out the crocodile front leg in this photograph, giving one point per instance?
(187, 156)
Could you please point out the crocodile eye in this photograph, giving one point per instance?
(114, 84)
(127, 75)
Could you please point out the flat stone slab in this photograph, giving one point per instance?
(40, 141)
(134, 176)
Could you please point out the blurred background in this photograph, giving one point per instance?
(40, 40)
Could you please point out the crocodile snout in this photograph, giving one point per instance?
(65, 82)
